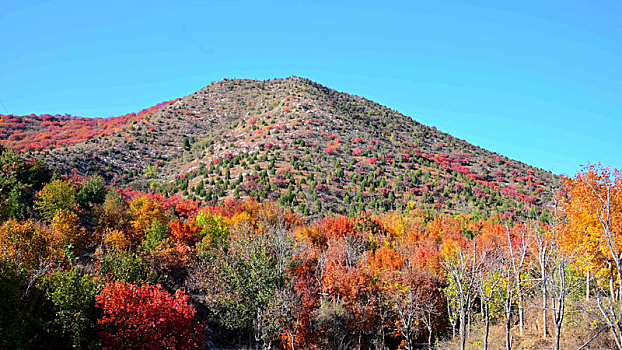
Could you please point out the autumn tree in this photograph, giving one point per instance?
(56, 195)
(67, 233)
(144, 210)
(594, 211)
(147, 317)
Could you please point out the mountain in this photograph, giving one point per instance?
(290, 140)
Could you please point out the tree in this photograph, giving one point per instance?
(416, 300)
(25, 313)
(488, 280)
(67, 232)
(461, 265)
(518, 242)
(27, 245)
(147, 317)
(594, 211)
(73, 296)
(543, 248)
(92, 191)
(56, 195)
(144, 211)
(184, 232)
(561, 287)
(19, 180)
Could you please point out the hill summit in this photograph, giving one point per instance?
(292, 140)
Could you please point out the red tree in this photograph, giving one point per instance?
(147, 317)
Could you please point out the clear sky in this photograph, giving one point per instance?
(538, 81)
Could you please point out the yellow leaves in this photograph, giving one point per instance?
(56, 195)
(594, 211)
(214, 229)
(115, 240)
(451, 247)
(26, 244)
(239, 221)
(66, 230)
(311, 234)
(144, 212)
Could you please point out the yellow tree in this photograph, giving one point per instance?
(144, 211)
(594, 211)
(56, 195)
(67, 232)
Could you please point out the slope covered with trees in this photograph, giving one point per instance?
(84, 264)
(293, 141)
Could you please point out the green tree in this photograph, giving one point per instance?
(73, 296)
(56, 195)
(92, 191)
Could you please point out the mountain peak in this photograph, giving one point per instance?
(291, 140)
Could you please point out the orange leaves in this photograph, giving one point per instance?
(114, 239)
(187, 209)
(313, 235)
(338, 227)
(26, 243)
(66, 230)
(385, 259)
(185, 232)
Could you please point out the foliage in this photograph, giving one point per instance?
(147, 317)
(58, 195)
(92, 191)
(73, 296)
(123, 266)
(144, 211)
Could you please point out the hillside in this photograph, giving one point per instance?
(290, 140)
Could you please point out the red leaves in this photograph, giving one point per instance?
(337, 227)
(147, 317)
(187, 209)
(44, 131)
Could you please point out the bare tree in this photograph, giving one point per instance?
(487, 287)
(516, 262)
(560, 288)
(543, 250)
(461, 271)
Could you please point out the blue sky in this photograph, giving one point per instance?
(538, 81)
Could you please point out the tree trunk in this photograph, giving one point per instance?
(487, 332)
(521, 311)
(508, 335)
(544, 300)
(462, 329)
(429, 337)
(587, 287)
(468, 331)
(544, 324)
